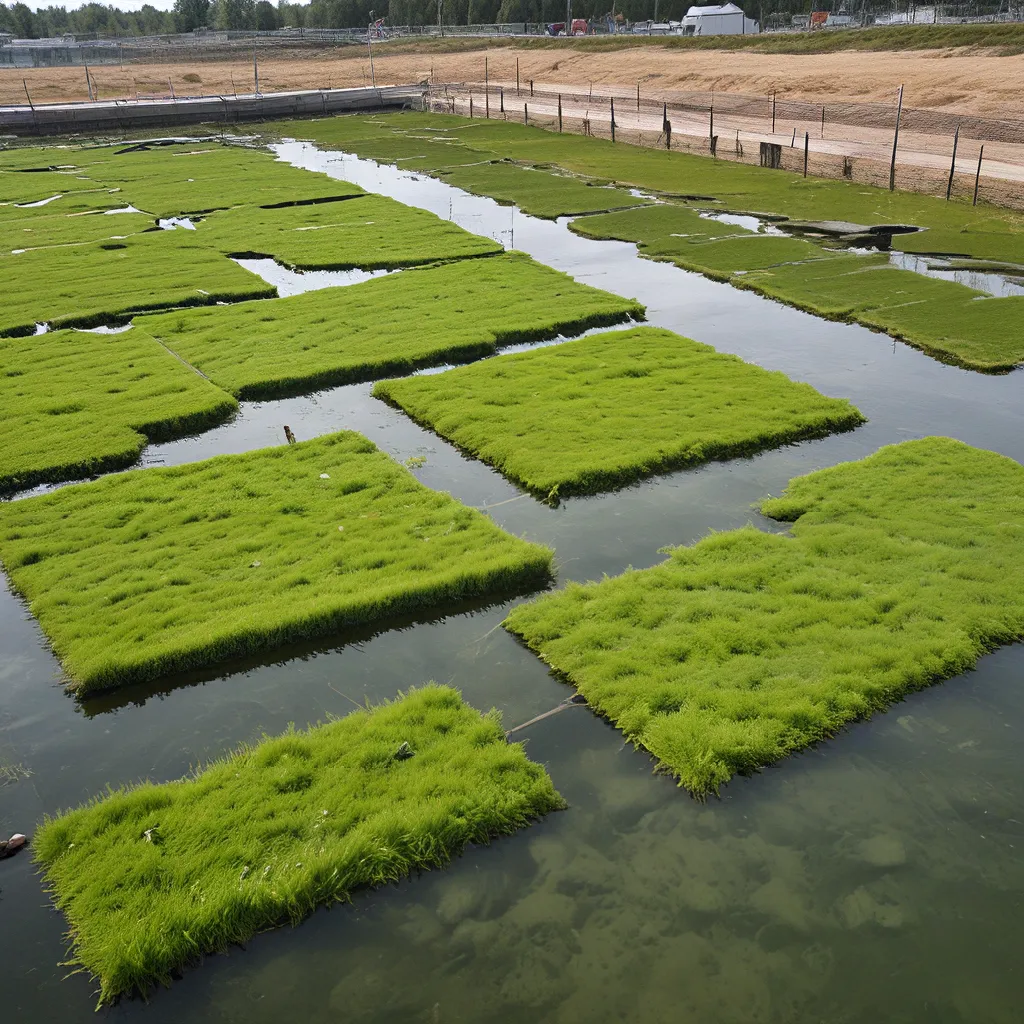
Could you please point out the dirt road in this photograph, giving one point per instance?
(960, 80)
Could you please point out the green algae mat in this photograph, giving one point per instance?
(902, 570)
(77, 403)
(370, 232)
(83, 285)
(538, 192)
(947, 320)
(390, 325)
(606, 410)
(153, 877)
(161, 180)
(159, 570)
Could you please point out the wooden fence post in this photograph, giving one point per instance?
(977, 176)
(952, 163)
(895, 142)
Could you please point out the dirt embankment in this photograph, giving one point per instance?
(975, 82)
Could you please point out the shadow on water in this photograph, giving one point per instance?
(877, 877)
(302, 650)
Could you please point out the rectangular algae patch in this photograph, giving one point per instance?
(370, 232)
(153, 877)
(538, 191)
(387, 326)
(902, 570)
(608, 409)
(82, 285)
(77, 402)
(167, 181)
(158, 570)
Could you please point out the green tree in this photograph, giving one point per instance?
(190, 14)
(236, 14)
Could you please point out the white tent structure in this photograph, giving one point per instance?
(719, 20)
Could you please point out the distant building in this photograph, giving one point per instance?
(720, 20)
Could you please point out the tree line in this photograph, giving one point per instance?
(189, 15)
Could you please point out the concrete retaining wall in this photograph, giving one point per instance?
(66, 118)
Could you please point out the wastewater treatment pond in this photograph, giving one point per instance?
(876, 875)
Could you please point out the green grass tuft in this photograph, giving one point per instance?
(159, 570)
(609, 409)
(263, 837)
(903, 569)
(386, 326)
(77, 403)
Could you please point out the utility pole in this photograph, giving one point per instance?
(255, 67)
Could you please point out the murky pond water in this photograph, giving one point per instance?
(878, 877)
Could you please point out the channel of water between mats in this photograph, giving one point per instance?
(868, 879)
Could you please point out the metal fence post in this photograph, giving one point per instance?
(807, 146)
(613, 118)
(977, 176)
(559, 111)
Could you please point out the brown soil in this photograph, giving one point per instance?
(961, 80)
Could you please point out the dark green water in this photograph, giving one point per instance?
(878, 877)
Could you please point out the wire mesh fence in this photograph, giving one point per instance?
(936, 151)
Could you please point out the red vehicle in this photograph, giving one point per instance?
(579, 27)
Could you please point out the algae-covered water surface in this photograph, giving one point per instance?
(876, 876)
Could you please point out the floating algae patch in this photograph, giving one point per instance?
(77, 403)
(680, 234)
(84, 285)
(947, 320)
(42, 231)
(538, 192)
(984, 232)
(608, 409)
(902, 570)
(371, 232)
(167, 181)
(153, 877)
(153, 571)
(387, 326)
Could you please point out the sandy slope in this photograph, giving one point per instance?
(946, 79)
